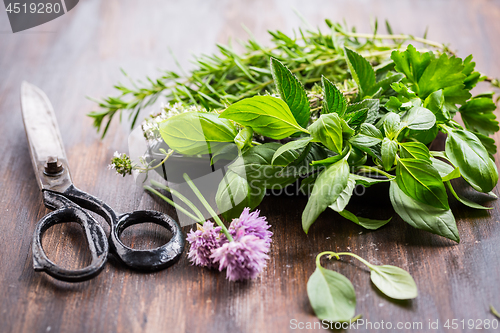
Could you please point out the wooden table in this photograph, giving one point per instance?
(80, 53)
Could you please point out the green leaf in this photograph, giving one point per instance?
(332, 295)
(368, 136)
(488, 143)
(445, 170)
(429, 74)
(344, 196)
(394, 282)
(244, 138)
(292, 92)
(361, 71)
(370, 105)
(389, 150)
(193, 133)
(419, 180)
(385, 84)
(416, 150)
(478, 115)
(392, 124)
(292, 145)
(464, 200)
(235, 193)
(419, 118)
(421, 216)
(364, 222)
(328, 130)
(466, 152)
(327, 188)
(332, 159)
(435, 103)
(267, 115)
(334, 101)
(255, 165)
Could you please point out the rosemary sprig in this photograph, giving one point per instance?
(220, 80)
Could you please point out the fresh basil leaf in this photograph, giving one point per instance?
(393, 104)
(394, 282)
(477, 115)
(357, 157)
(193, 133)
(292, 145)
(419, 180)
(392, 124)
(466, 151)
(332, 295)
(372, 105)
(292, 92)
(267, 115)
(244, 138)
(416, 150)
(389, 150)
(464, 200)
(344, 197)
(328, 130)
(255, 165)
(368, 136)
(361, 71)
(334, 99)
(422, 216)
(364, 222)
(235, 193)
(419, 118)
(356, 118)
(327, 188)
(435, 102)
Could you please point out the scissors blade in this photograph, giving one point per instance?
(44, 139)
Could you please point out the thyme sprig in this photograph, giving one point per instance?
(219, 80)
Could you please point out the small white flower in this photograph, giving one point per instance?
(116, 154)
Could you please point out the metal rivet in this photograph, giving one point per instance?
(53, 167)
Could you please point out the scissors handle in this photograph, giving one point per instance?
(69, 208)
(94, 234)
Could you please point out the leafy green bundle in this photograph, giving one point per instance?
(382, 128)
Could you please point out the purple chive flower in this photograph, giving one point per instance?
(244, 258)
(252, 224)
(203, 241)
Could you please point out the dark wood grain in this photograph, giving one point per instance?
(79, 54)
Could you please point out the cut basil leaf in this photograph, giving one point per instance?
(332, 295)
(394, 282)
(421, 216)
(344, 196)
(419, 180)
(364, 222)
(466, 152)
(465, 201)
(328, 130)
(327, 188)
(389, 150)
(267, 115)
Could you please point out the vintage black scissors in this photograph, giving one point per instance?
(59, 193)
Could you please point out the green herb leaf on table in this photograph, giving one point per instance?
(244, 138)
(267, 115)
(415, 150)
(193, 133)
(291, 91)
(419, 180)
(389, 150)
(392, 125)
(328, 130)
(478, 115)
(344, 197)
(363, 221)
(419, 118)
(292, 145)
(393, 281)
(331, 294)
(422, 216)
(467, 152)
(327, 188)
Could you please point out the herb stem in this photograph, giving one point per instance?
(393, 37)
(182, 198)
(207, 206)
(382, 172)
(338, 254)
(176, 206)
(151, 168)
